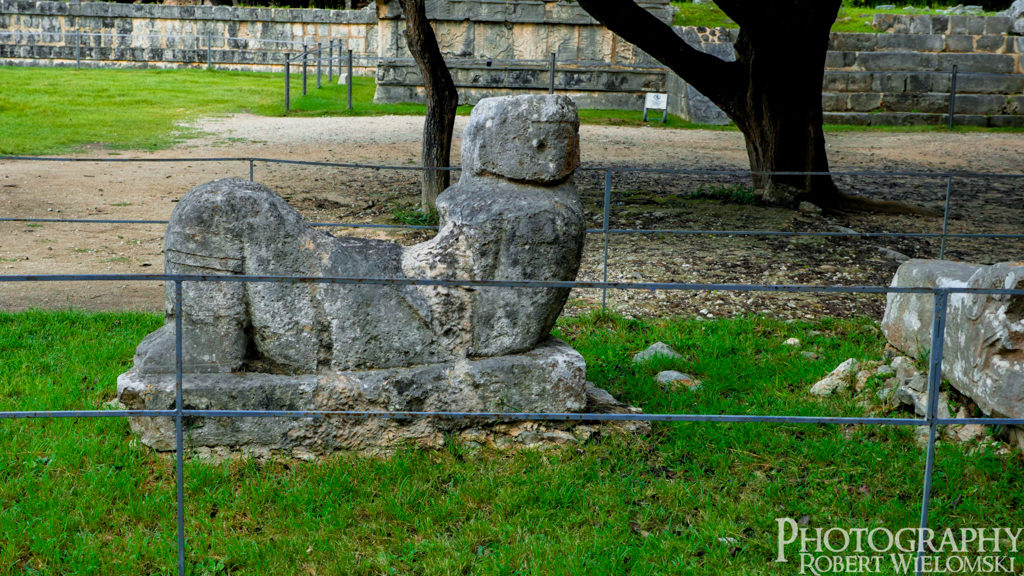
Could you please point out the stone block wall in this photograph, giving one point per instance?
(496, 47)
(906, 77)
(112, 35)
(902, 77)
(953, 25)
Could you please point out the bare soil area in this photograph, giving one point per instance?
(148, 191)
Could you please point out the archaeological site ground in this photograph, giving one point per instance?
(604, 353)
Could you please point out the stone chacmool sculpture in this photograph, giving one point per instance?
(513, 215)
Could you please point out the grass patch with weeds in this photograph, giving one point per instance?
(730, 194)
(81, 496)
(413, 216)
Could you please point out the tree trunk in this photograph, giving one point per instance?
(780, 115)
(442, 101)
(772, 91)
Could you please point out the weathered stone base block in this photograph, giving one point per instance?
(983, 354)
(549, 378)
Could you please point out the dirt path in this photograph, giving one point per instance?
(149, 191)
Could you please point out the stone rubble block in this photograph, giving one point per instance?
(983, 353)
(839, 379)
(549, 378)
(679, 379)
(655, 350)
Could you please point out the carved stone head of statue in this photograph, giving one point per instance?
(526, 139)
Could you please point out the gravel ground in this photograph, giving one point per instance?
(640, 200)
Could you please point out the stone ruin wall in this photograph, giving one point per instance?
(494, 46)
(158, 36)
(497, 47)
(901, 76)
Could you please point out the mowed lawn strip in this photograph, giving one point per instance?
(61, 110)
(83, 496)
(50, 111)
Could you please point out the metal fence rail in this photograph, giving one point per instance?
(609, 173)
(941, 296)
(941, 299)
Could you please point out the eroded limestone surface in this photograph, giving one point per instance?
(983, 354)
(513, 215)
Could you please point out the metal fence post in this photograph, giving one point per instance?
(287, 83)
(945, 218)
(339, 59)
(179, 447)
(305, 66)
(350, 79)
(319, 64)
(934, 379)
(330, 60)
(78, 49)
(551, 80)
(252, 169)
(604, 227)
(209, 50)
(952, 96)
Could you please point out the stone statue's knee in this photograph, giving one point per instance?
(213, 223)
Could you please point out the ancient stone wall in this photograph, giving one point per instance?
(901, 77)
(495, 47)
(112, 35)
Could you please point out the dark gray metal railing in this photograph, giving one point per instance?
(931, 419)
(941, 298)
(609, 172)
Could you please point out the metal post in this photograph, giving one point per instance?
(339, 59)
(350, 79)
(952, 96)
(607, 211)
(78, 49)
(179, 450)
(209, 50)
(945, 218)
(934, 379)
(305, 66)
(330, 61)
(287, 83)
(319, 65)
(551, 84)
(251, 169)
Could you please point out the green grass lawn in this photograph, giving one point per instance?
(60, 110)
(850, 19)
(83, 497)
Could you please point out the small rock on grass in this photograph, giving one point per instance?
(839, 379)
(904, 367)
(794, 342)
(678, 378)
(967, 432)
(656, 349)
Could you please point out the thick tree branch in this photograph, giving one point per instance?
(717, 79)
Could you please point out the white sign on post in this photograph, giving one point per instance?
(656, 101)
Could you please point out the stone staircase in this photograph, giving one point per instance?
(906, 79)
